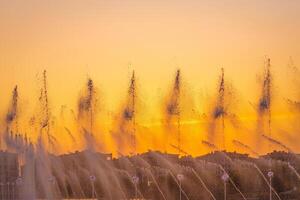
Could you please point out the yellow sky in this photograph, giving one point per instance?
(74, 39)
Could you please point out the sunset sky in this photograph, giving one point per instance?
(106, 40)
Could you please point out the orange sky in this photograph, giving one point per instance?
(74, 39)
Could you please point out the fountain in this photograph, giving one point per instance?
(37, 170)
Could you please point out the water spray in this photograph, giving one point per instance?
(130, 111)
(210, 145)
(264, 106)
(276, 142)
(87, 111)
(92, 180)
(181, 151)
(179, 185)
(270, 175)
(12, 115)
(135, 181)
(218, 113)
(46, 108)
(90, 97)
(203, 184)
(238, 143)
(159, 189)
(225, 178)
(180, 178)
(268, 182)
(294, 170)
(173, 107)
(85, 104)
(221, 108)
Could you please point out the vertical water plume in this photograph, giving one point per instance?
(45, 113)
(264, 111)
(46, 103)
(219, 111)
(173, 108)
(86, 104)
(130, 111)
(264, 104)
(13, 139)
(12, 114)
(126, 126)
(87, 109)
(38, 171)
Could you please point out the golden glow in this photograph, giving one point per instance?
(105, 40)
